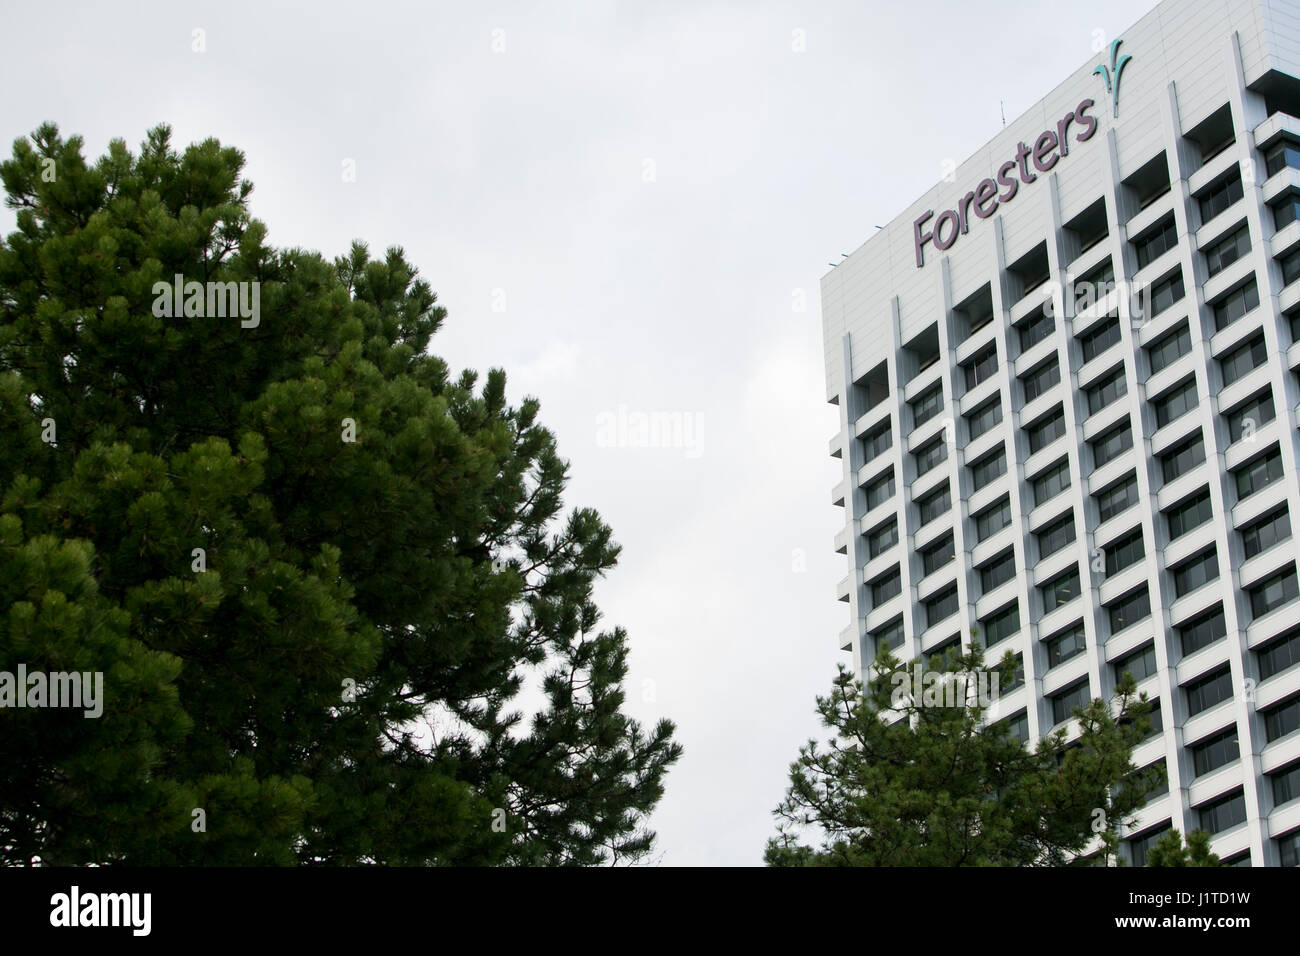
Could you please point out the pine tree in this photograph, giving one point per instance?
(315, 567)
(1171, 851)
(915, 776)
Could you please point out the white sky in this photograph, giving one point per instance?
(517, 176)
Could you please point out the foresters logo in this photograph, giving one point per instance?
(1110, 75)
(217, 300)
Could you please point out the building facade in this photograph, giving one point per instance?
(1068, 380)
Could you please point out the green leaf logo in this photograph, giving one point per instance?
(1110, 74)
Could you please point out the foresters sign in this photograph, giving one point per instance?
(1049, 148)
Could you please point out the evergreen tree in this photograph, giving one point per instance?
(1171, 851)
(914, 775)
(315, 568)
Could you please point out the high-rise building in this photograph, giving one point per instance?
(1068, 379)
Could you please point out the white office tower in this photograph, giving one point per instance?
(1068, 379)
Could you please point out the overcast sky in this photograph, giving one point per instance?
(629, 207)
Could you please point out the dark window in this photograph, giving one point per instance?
(1260, 535)
(1117, 498)
(934, 504)
(1286, 211)
(1273, 592)
(1235, 304)
(1290, 267)
(1220, 196)
(1055, 536)
(886, 587)
(1106, 390)
(1278, 157)
(942, 605)
(890, 636)
(1182, 458)
(1227, 251)
(1111, 444)
(1243, 360)
(1278, 654)
(1211, 753)
(1064, 645)
(1093, 287)
(988, 468)
(984, 418)
(1282, 720)
(1166, 292)
(1196, 573)
(1202, 631)
(1286, 784)
(1248, 418)
(1062, 589)
(1035, 331)
(1124, 552)
(1156, 243)
(1129, 609)
(1258, 474)
(1170, 348)
(1178, 401)
(981, 368)
(1000, 624)
(992, 520)
(1209, 691)
(1064, 702)
(1288, 849)
(1192, 512)
(1139, 845)
(876, 441)
(937, 555)
(1140, 663)
(1099, 338)
(997, 572)
(1046, 430)
(927, 406)
(1041, 379)
(880, 490)
(1223, 814)
(1052, 482)
(930, 455)
(881, 539)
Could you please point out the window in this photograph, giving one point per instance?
(881, 539)
(1220, 196)
(1035, 331)
(1286, 211)
(1129, 609)
(937, 555)
(1000, 624)
(1117, 498)
(1099, 338)
(997, 572)
(876, 441)
(1260, 535)
(1227, 250)
(889, 637)
(1182, 458)
(930, 455)
(1140, 663)
(1017, 679)
(1046, 430)
(1235, 304)
(1064, 702)
(942, 605)
(1288, 849)
(880, 490)
(1258, 474)
(1106, 389)
(1156, 718)
(1124, 552)
(886, 588)
(1161, 772)
(1191, 512)
(1166, 292)
(1055, 536)
(988, 468)
(1290, 267)
(1052, 482)
(1178, 401)
(1284, 154)
(1273, 592)
(1156, 243)
(1248, 418)
(984, 418)
(1223, 814)
(1016, 726)
(1138, 846)
(992, 520)
(1286, 784)
(1169, 348)
(1243, 360)
(1111, 444)
(981, 368)
(1211, 753)
(1196, 573)
(1202, 631)
(1209, 691)
(1094, 287)
(1059, 591)
(1039, 380)
(934, 504)
(1282, 720)
(927, 406)
(1278, 654)
(1066, 644)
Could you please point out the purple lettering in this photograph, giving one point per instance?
(985, 193)
(1043, 156)
(921, 238)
